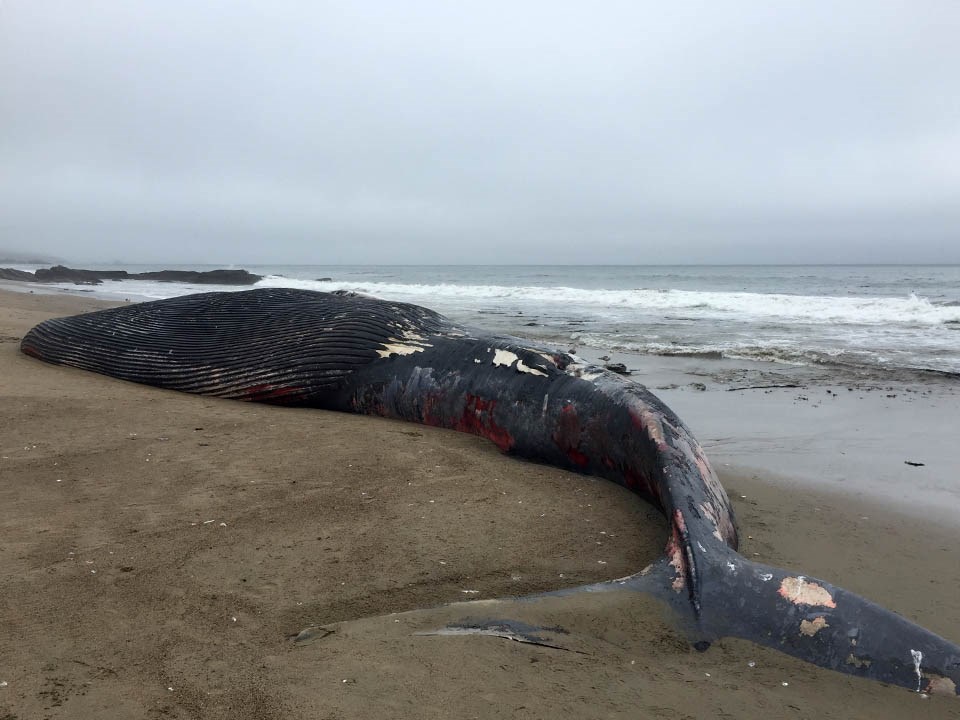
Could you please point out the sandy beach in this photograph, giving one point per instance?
(162, 551)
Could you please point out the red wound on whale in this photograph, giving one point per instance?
(269, 393)
(567, 435)
(477, 418)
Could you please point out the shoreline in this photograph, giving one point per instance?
(159, 540)
(722, 369)
(800, 353)
(727, 403)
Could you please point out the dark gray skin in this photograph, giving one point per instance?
(357, 354)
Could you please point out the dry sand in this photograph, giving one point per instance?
(159, 551)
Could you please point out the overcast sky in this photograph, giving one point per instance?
(488, 132)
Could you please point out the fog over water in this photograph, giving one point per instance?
(494, 132)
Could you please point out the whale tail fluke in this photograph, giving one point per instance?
(807, 618)
(825, 625)
(797, 615)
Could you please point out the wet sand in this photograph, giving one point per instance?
(160, 551)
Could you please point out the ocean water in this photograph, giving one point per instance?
(870, 317)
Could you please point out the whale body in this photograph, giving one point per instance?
(352, 353)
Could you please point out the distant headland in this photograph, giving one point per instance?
(62, 274)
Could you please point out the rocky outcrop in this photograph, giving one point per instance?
(21, 275)
(62, 274)
(209, 277)
(618, 368)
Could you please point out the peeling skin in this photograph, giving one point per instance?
(648, 421)
(408, 343)
(399, 349)
(723, 523)
(585, 372)
(858, 661)
(675, 553)
(812, 627)
(527, 369)
(504, 357)
(939, 685)
(546, 357)
(711, 512)
(800, 592)
(507, 358)
(917, 656)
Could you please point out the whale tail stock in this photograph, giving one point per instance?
(715, 592)
(806, 618)
(817, 622)
(712, 590)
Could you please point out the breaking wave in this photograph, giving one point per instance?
(747, 306)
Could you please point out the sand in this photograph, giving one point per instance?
(160, 552)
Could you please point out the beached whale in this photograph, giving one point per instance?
(341, 351)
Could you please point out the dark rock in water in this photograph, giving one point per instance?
(324, 279)
(165, 275)
(210, 277)
(20, 275)
(698, 386)
(227, 277)
(618, 368)
(60, 274)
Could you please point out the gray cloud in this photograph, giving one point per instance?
(488, 132)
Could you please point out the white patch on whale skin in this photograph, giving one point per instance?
(531, 370)
(654, 427)
(408, 343)
(801, 591)
(585, 371)
(504, 357)
(812, 627)
(507, 359)
(399, 349)
(917, 659)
